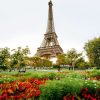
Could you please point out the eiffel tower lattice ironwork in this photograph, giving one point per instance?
(50, 46)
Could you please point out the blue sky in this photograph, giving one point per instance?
(24, 22)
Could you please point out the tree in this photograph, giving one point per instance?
(39, 62)
(61, 59)
(4, 58)
(72, 56)
(18, 58)
(81, 63)
(92, 48)
(46, 63)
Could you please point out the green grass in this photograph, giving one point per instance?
(31, 73)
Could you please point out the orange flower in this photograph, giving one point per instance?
(10, 91)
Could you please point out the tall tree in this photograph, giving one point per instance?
(92, 48)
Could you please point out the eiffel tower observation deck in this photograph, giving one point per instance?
(50, 47)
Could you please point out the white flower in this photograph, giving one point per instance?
(95, 84)
(95, 87)
(94, 81)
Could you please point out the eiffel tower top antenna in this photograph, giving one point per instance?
(50, 23)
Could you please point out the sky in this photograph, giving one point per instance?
(23, 23)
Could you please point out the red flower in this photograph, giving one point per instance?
(1, 97)
(1, 86)
(72, 97)
(88, 96)
(21, 86)
(86, 89)
(64, 98)
(93, 98)
(28, 85)
(37, 93)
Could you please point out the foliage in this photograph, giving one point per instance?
(55, 66)
(61, 59)
(81, 63)
(46, 63)
(55, 90)
(92, 48)
(5, 79)
(4, 58)
(95, 73)
(51, 76)
(76, 75)
(3, 67)
(70, 89)
(39, 62)
(18, 57)
(72, 56)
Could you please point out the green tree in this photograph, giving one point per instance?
(39, 62)
(46, 63)
(61, 59)
(4, 58)
(81, 63)
(72, 56)
(92, 48)
(18, 58)
(35, 62)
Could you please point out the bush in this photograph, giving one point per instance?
(51, 76)
(95, 73)
(55, 90)
(56, 66)
(3, 67)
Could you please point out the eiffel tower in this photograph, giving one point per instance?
(50, 47)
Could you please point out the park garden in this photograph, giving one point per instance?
(32, 78)
(54, 85)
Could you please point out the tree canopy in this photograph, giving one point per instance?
(92, 48)
(4, 58)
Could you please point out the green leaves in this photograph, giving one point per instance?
(92, 48)
(72, 56)
(18, 58)
(4, 58)
(55, 90)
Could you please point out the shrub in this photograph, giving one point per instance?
(55, 90)
(55, 66)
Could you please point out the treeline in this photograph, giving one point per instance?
(19, 59)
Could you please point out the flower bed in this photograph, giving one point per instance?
(51, 86)
(18, 90)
